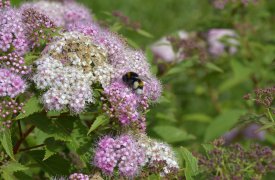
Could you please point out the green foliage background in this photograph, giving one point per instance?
(199, 103)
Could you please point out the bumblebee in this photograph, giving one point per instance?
(133, 80)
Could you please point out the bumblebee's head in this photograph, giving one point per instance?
(129, 76)
(132, 75)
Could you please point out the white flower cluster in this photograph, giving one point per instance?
(68, 68)
(159, 153)
(66, 85)
(78, 50)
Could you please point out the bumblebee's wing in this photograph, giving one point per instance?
(144, 78)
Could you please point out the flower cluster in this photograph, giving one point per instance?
(263, 96)
(160, 158)
(134, 61)
(164, 48)
(182, 45)
(221, 41)
(12, 35)
(66, 85)
(4, 4)
(11, 84)
(220, 4)
(38, 27)
(124, 103)
(122, 152)
(234, 162)
(61, 14)
(15, 63)
(251, 131)
(130, 154)
(78, 176)
(10, 107)
(70, 65)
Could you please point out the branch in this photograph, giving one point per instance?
(17, 145)
(20, 129)
(33, 147)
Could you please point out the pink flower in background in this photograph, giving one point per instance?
(222, 41)
(251, 131)
(220, 4)
(163, 48)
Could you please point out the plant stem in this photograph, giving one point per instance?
(20, 129)
(270, 115)
(17, 145)
(33, 147)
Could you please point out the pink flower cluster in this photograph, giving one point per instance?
(63, 14)
(220, 4)
(5, 3)
(15, 63)
(38, 26)
(12, 35)
(124, 103)
(11, 84)
(122, 152)
(78, 176)
(10, 107)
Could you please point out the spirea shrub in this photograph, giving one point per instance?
(59, 66)
(81, 94)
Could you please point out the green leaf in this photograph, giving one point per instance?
(30, 58)
(191, 163)
(172, 134)
(116, 27)
(240, 74)
(48, 153)
(79, 142)
(144, 33)
(222, 123)
(32, 106)
(100, 120)
(197, 117)
(132, 43)
(214, 67)
(60, 128)
(22, 176)
(10, 168)
(14, 166)
(55, 165)
(7, 143)
(52, 147)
